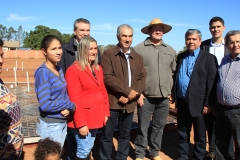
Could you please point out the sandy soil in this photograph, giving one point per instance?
(168, 152)
(169, 146)
(29, 65)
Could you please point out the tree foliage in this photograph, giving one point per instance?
(66, 38)
(20, 36)
(11, 34)
(103, 48)
(34, 38)
(3, 31)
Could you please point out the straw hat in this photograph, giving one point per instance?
(155, 21)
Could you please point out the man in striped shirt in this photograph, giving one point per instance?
(228, 94)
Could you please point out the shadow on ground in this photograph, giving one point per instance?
(169, 145)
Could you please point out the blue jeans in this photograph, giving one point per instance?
(158, 109)
(124, 125)
(55, 131)
(84, 143)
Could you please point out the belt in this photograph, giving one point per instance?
(230, 107)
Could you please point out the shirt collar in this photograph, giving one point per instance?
(128, 52)
(217, 45)
(148, 42)
(76, 42)
(230, 58)
(195, 52)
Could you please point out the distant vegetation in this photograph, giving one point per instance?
(33, 38)
(12, 34)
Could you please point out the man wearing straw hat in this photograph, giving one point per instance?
(159, 62)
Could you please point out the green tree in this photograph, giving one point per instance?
(20, 35)
(109, 46)
(11, 34)
(103, 48)
(3, 31)
(66, 38)
(34, 38)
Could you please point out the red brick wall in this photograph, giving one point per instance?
(35, 54)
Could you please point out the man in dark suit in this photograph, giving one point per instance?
(194, 90)
(215, 46)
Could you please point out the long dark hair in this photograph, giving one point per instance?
(47, 40)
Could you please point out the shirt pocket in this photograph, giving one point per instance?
(167, 59)
(86, 103)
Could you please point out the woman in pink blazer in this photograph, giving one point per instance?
(86, 89)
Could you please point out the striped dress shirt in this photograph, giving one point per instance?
(228, 86)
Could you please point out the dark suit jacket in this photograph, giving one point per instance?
(205, 45)
(202, 84)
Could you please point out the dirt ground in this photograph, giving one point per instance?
(29, 65)
(169, 146)
(168, 152)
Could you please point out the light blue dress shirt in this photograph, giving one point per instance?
(185, 73)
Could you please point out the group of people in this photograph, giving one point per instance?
(77, 103)
(206, 93)
(79, 91)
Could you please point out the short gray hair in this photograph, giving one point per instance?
(231, 33)
(123, 26)
(80, 20)
(193, 31)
